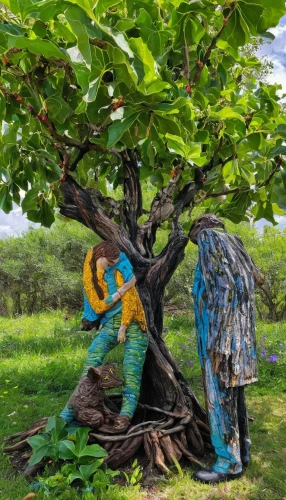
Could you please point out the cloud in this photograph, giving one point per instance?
(276, 53)
(14, 223)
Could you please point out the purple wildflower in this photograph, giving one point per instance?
(273, 358)
(263, 354)
(190, 362)
(183, 346)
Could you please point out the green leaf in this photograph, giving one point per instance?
(46, 214)
(81, 440)
(22, 7)
(55, 425)
(80, 32)
(176, 145)
(38, 441)
(30, 202)
(116, 130)
(101, 184)
(94, 450)
(62, 30)
(103, 5)
(39, 454)
(67, 450)
(87, 470)
(12, 29)
(170, 108)
(204, 78)
(39, 29)
(124, 24)
(194, 31)
(4, 175)
(58, 109)
(265, 211)
(37, 46)
(5, 199)
(87, 6)
(226, 113)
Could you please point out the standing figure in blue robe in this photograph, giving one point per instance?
(223, 293)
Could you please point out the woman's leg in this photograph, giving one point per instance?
(104, 342)
(134, 357)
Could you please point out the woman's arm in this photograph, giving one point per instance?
(123, 289)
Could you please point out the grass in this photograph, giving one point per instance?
(41, 361)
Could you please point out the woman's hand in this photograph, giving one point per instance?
(122, 334)
(116, 296)
(123, 289)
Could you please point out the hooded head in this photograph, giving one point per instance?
(206, 221)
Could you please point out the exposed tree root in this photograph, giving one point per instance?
(178, 434)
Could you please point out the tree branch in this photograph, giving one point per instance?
(167, 261)
(187, 194)
(106, 203)
(274, 171)
(212, 45)
(161, 209)
(78, 205)
(244, 189)
(132, 192)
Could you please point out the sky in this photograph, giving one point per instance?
(276, 52)
(15, 223)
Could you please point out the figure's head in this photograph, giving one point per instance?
(206, 221)
(105, 254)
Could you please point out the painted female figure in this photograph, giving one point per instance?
(225, 318)
(109, 286)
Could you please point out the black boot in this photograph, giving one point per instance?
(209, 476)
(87, 325)
(245, 453)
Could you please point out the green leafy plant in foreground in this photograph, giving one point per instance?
(91, 480)
(134, 478)
(69, 443)
(53, 443)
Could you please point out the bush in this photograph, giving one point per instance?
(42, 269)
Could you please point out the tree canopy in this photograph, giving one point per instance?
(87, 84)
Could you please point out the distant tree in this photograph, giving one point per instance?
(269, 253)
(42, 269)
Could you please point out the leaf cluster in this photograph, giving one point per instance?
(82, 81)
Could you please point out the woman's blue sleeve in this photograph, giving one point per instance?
(88, 312)
(125, 267)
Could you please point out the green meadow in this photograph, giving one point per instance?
(41, 360)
